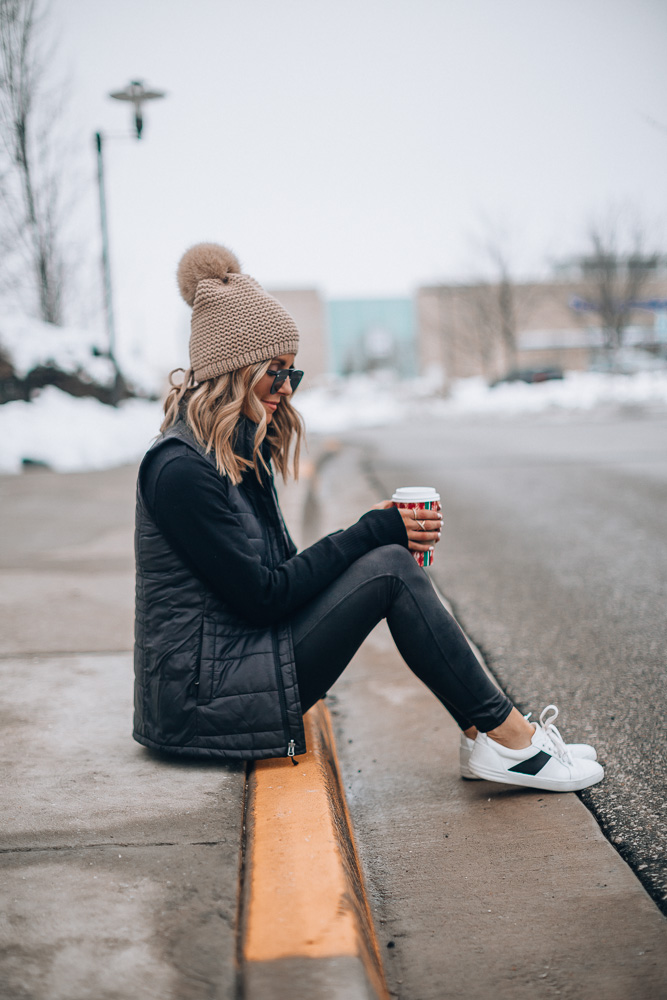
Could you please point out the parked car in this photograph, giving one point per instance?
(530, 375)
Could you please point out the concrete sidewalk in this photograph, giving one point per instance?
(121, 869)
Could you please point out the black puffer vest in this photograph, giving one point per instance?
(208, 683)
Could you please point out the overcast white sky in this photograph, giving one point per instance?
(357, 146)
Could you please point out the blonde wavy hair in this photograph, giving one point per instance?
(213, 408)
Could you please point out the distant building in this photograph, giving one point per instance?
(370, 334)
(460, 327)
(309, 311)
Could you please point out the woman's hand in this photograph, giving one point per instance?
(423, 526)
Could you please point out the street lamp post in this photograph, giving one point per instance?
(106, 268)
(136, 93)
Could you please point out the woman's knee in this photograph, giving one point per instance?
(394, 560)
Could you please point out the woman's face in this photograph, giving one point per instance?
(270, 401)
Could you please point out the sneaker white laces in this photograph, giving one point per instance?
(548, 716)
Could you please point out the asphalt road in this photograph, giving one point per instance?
(554, 555)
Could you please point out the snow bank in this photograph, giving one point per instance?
(29, 342)
(71, 434)
(68, 434)
(362, 401)
(342, 404)
(580, 391)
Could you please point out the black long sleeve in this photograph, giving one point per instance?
(187, 498)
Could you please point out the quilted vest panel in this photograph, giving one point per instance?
(208, 683)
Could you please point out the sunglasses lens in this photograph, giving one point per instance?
(278, 380)
(285, 373)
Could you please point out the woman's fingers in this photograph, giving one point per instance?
(421, 546)
(424, 521)
(423, 526)
(417, 516)
(427, 533)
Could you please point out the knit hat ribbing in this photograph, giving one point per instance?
(235, 322)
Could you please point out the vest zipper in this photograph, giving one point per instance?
(281, 695)
(280, 525)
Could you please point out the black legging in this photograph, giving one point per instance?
(388, 583)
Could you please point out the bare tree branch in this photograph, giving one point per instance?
(31, 180)
(615, 272)
(492, 304)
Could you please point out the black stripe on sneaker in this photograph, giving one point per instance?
(533, 765)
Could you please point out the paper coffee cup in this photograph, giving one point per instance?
(416, 497)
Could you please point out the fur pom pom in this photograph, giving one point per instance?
(204, 260)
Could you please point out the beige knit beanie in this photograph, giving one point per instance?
(234, 321)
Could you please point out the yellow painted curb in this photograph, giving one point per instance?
(304, 895)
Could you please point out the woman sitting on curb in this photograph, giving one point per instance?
(237, 635)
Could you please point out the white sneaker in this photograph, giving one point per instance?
(584, 751)
(548, 715)
(465, 749)
(547, 763)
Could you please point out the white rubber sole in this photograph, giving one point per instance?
(468, 775)
(535, 781)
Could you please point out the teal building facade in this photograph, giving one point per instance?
(368, 335)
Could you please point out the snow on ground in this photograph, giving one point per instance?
(577, 391)
(30, 342)
(363, 401)
(71, 434)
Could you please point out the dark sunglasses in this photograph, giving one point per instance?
(292, 374)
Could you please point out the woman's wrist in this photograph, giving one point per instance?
(373, 529)
(387, 526)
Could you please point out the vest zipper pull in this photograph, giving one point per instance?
(291, 747)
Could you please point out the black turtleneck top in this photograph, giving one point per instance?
(186, 497)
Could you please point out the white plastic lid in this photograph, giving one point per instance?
(415, 494)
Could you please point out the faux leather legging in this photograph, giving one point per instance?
(388, 583)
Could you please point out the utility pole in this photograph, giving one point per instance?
(106, 266)
(136, 94)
